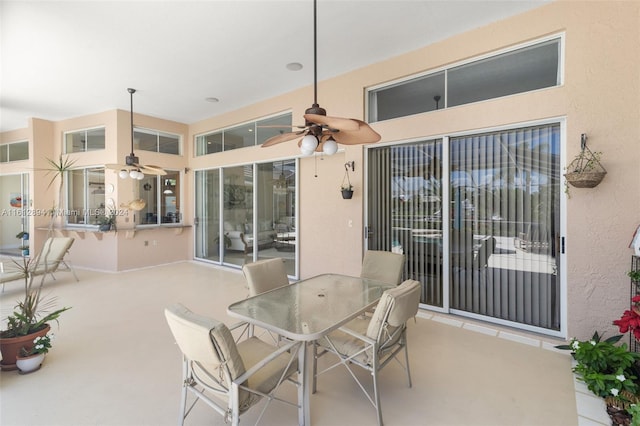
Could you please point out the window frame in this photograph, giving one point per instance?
(159, 207)
(88, 210)
(65, 149)
(7, 155)
(198, 139)
(370, 91)
(158, 134)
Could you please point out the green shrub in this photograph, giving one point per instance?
(605, 368)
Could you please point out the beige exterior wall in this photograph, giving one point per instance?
(600, 97)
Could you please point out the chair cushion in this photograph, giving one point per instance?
(406, 300)
(265, 275)
(254, 350)
(226, 345)
(53, 251)
(383, 266)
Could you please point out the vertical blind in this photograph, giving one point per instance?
(502, 220)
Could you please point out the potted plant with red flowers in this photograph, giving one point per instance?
(630, 319)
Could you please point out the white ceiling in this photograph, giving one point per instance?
(63, 59)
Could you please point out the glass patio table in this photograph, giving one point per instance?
(307, 310)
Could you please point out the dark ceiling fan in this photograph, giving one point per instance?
(320, 132)
(132, 167)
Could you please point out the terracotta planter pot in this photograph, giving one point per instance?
(10, 347)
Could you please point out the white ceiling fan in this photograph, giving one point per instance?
(321, 133)
(132, 167)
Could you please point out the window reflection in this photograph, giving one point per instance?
(162, 197)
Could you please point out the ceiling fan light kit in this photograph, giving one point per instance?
(320, 132)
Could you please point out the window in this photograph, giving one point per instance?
(209, 144)
(85, 196)
(248, 134)
(84, 140)
(155, 141)
(15, 151)
(521, 70)
(415, 96)
(162, 197)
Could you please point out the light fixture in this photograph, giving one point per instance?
(167, 192)
(330, 146)
(309, 144)
(294, 66)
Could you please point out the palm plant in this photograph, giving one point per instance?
(33, 312)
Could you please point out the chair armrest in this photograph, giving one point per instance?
(357, 335)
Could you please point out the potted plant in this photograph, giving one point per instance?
(107, 221)
(30, 359)
(33, 312)
(585, 171)
(24, 245)
(30, 318)
(346, 188)
(347, 191)
(609, 370)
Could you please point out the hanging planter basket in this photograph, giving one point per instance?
(585, 171)
(346, 188)
(347, 194)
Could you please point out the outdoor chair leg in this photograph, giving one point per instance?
(183, 396)
(376, 392)
(315, 367)
(406, 358)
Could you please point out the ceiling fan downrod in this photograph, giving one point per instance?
(315, 108)
(131, 159)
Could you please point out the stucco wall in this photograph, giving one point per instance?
(599, 97)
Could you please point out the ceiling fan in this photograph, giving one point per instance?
(132, 167)
(320, 132)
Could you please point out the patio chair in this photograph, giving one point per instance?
(229, 377)
(10, 272)
(52, 256)
(383, 266)
(372, 343)
(265, 275)
(262, 276)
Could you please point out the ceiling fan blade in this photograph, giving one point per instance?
(116, 166)
(150, 169)
(137, 205)
(281, 138)
(341, 124)
(283, 126)
(365, 134)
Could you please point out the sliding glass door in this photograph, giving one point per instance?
(208, 243)
(478, 221)
(246, 213)
(14, 189)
